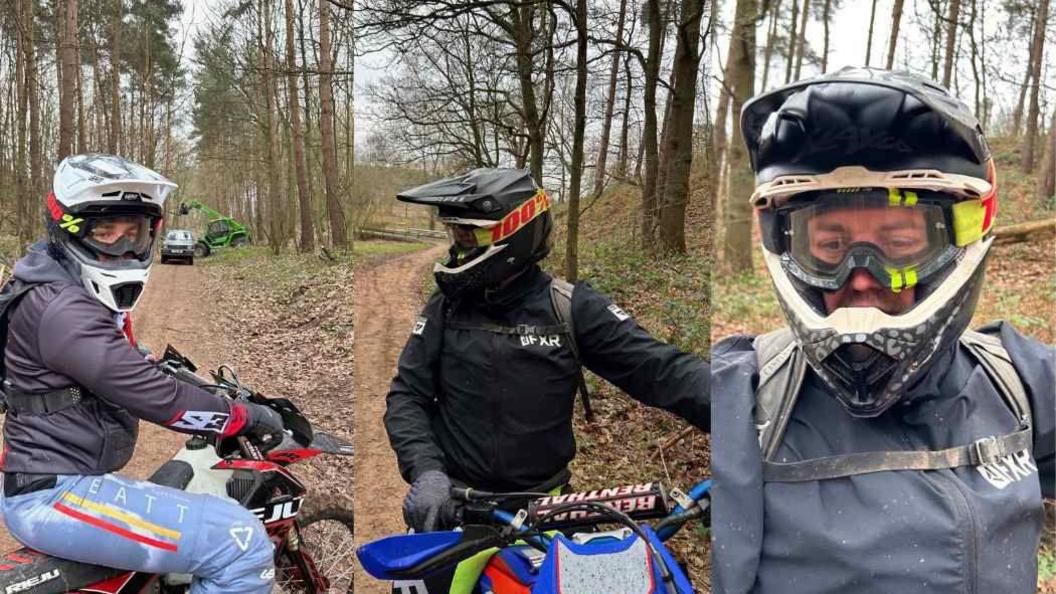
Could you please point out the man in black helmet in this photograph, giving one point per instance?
(876, 444)
(486, 383)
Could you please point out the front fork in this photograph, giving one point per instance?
(303, 569)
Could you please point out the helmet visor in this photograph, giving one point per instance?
(119, 237)
(898, 239)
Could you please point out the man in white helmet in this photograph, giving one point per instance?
(876, 444)
(75, 389)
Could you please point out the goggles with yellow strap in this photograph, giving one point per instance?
(479, 233)
(902, 237)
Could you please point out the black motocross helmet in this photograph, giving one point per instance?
(864, 145)
(499, 223)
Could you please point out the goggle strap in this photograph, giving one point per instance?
(902, 278)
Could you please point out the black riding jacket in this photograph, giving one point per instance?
(966, 530)
(60, 336)
(495, 410)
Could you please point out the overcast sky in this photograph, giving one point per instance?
(849, 30)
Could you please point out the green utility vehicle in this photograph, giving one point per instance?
(223, 231)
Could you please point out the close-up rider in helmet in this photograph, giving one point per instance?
(876, 444)
(487, 380)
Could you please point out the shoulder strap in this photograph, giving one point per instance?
(10, 296)
(780, 371)
(561, 300)
(782, 367)
(995, 360)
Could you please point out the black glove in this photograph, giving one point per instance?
(262, 423)
(428, 494)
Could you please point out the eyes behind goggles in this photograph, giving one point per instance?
(901, 238)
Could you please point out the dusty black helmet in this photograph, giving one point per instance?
(499, 223)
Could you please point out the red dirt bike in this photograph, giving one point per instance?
(313, 550)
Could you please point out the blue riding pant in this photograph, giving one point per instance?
(139, 526)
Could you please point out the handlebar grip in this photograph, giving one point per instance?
(450, 515)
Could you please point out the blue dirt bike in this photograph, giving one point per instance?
(554, 546)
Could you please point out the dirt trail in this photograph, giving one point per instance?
(387, 299)
(174, 310)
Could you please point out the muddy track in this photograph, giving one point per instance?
(387, 298)
(174, 310)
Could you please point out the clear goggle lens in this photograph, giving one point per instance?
(119, 236)
(898, 243)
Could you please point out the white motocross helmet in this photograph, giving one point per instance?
(104, 213)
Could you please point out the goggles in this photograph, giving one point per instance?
(116, 236)
(477, 233)
(902, 238)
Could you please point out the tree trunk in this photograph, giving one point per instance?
(307, 114)
(974, 56)
(802, 45)
(678, 148)
(826, 14)
(23, 193)
(82, 124)
(952, 16)
(1036, 57)
(737, 245)
(771, 36)
(36, 172)
(1047, 175)
(791, 40)
(522, 17)
(338, 234)
(275, 201)
(610, 104)
(572, 240)
(869, 39)
(114, 143)
(307, 243)
(625, 150)
(68, 79)
(649, 211)
(896, 20)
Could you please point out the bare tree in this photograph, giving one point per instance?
(1047, 175)
(896, 20)
(1036, 56)
(826, 15)
(269, 125)
(338, 234)
(737, 245)
(610, 103)
(951, 40)
(771, 39)
(68, 75)
(792, 41)
(869, 37)
(677, 156)
(801, 46)
(580, 117)
(304, 198)
(114, 142)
